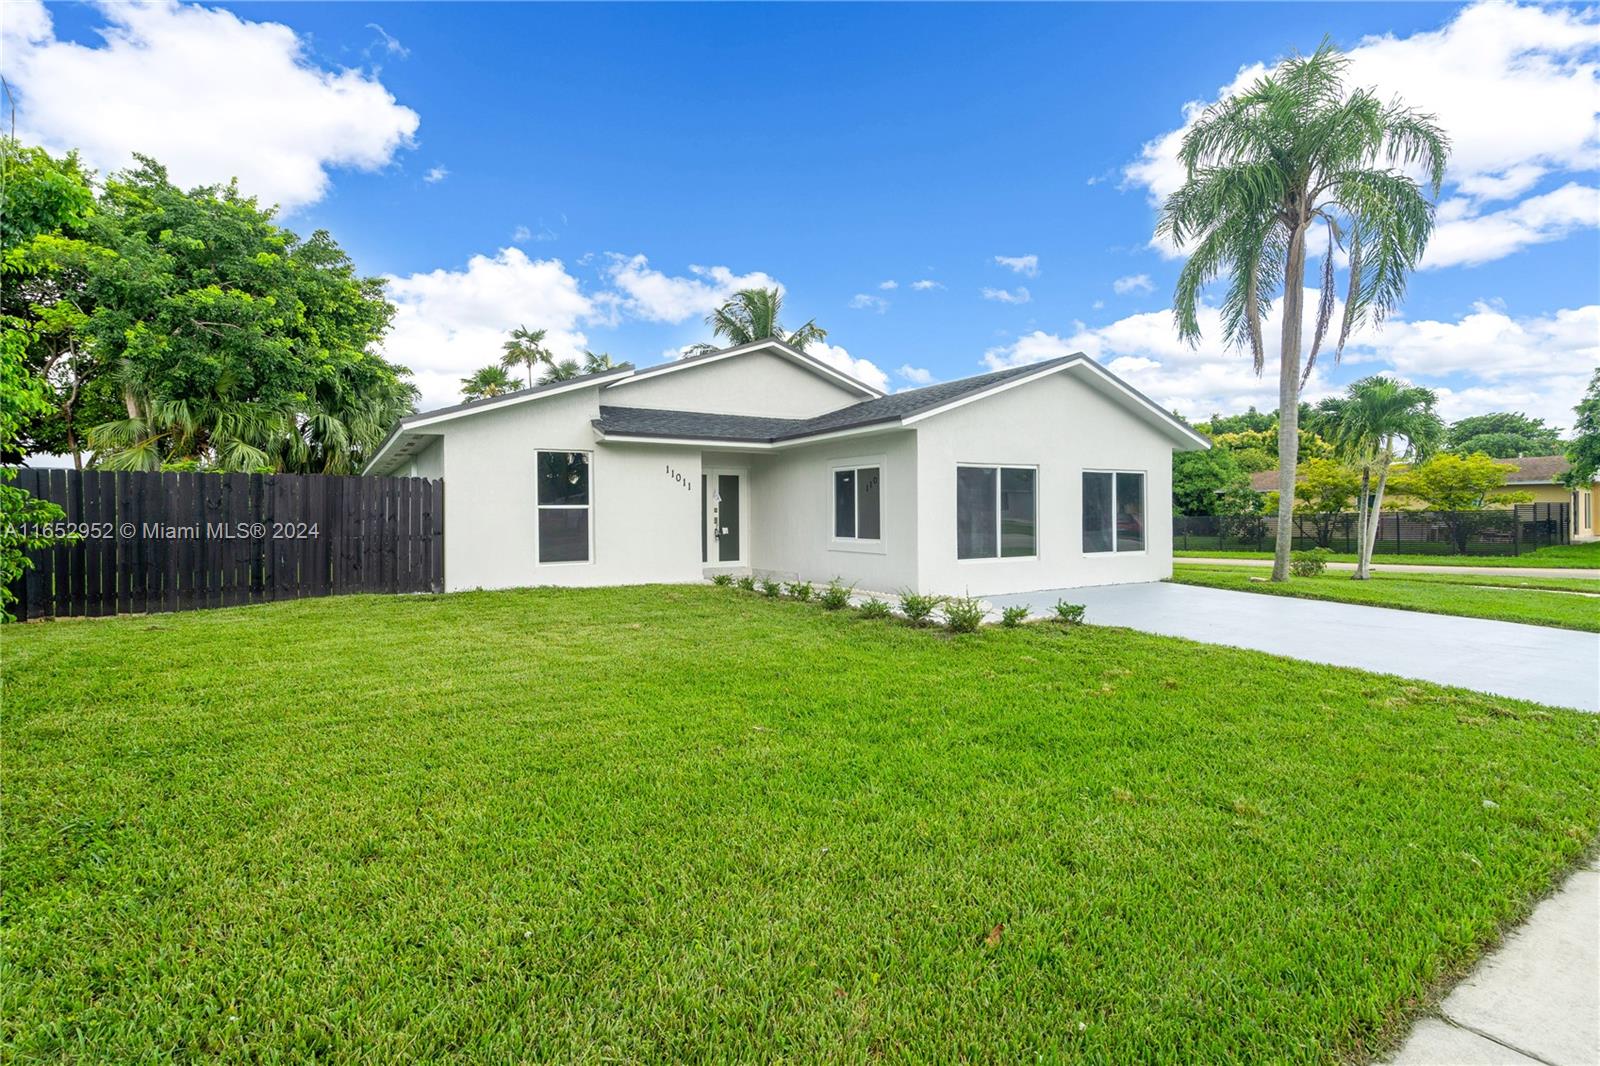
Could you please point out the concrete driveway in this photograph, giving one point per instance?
(1560, 667)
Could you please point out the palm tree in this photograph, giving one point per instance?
(526, 349)
(487, 381)
(1376, 422)
(752, 315)
(599, 362)
(1265, 168)
(565, 370)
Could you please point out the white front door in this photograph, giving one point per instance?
(725, 510)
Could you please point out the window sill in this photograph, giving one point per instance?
(858, 547)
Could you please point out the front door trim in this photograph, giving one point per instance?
(712, 555)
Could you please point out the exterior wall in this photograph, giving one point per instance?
(1573, 499)
(792, 514)
(757, 383)
(428, 462)
(644, 524)
(1063, 427)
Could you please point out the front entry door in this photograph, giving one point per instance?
(723, 535)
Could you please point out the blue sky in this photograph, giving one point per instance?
(585, 160)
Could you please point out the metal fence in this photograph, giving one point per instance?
(146, 542)
(1500, 531)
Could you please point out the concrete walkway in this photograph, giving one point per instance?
(1560, 667)
(1418, 568)
(1534, 1000)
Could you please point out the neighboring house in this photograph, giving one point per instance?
(1537, 475)
(763, 459)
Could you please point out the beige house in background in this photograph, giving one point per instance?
(1538, 476)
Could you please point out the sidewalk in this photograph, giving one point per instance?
(1415, 568)
(1535, 999)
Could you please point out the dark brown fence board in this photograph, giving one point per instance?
(184, 541)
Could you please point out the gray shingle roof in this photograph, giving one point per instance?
(696, 425)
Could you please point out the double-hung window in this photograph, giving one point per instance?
(857, 506)
(1113, 512)
(564, 507)
(996, 512)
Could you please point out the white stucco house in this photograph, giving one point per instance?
(763, 459)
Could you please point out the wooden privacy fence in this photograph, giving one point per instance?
(179, 542)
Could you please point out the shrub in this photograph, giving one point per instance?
(1309, 563)
(875, 608)
(722, 579)
(800, 590)
(918, 608)
(771, 589)
(745, 582)
(1013, 616)
(836, 596)
(1070, 613)
(964, 614)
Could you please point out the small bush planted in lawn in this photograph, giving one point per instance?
(1070, 613)
(771, 589)
(836, 596)
(963, 614)
(1013, 616)
(722, 579)
(746, 583)
(875, 608)
(800, 590)
(918, 608)
(1309, 563)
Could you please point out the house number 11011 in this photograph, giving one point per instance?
(680, 479)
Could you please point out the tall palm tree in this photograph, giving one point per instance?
(1377, 421)
(487, 381)
(525, 349)
(1295, 153)
(751, 315)
(599, 362)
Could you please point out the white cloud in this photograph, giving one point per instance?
(169, 77)
(658, 297)
(1132, 283)
(1487, 360)
(1026, 265)
(925, 284)
(1006, 296)
(890, 284)
(864, 302)
(435, 175)
(915, 374)
(391, 44)
(1465, 238)
(521, 233)
(448, 323)
(861, 369)
(1514, 87)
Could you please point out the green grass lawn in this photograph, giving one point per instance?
(1564, 556)
(1542, 601)
(692, 823)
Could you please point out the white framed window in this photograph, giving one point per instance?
(565, 531)
(857, 487)
(1113, 512)
(997, 512)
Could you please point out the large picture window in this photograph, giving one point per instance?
(857, 507)
(564, 506)
(1113, 512)
(996, 512)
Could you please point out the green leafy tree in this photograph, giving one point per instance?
(1201, 479)
(1459, 487)
(1293, 153)
(22, 395)
(1323, 491)
(752, 315)
(1503, 435)
(223, 340)
(487, 381)
(1377, 422)
(1584, 451)
(526, 349)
